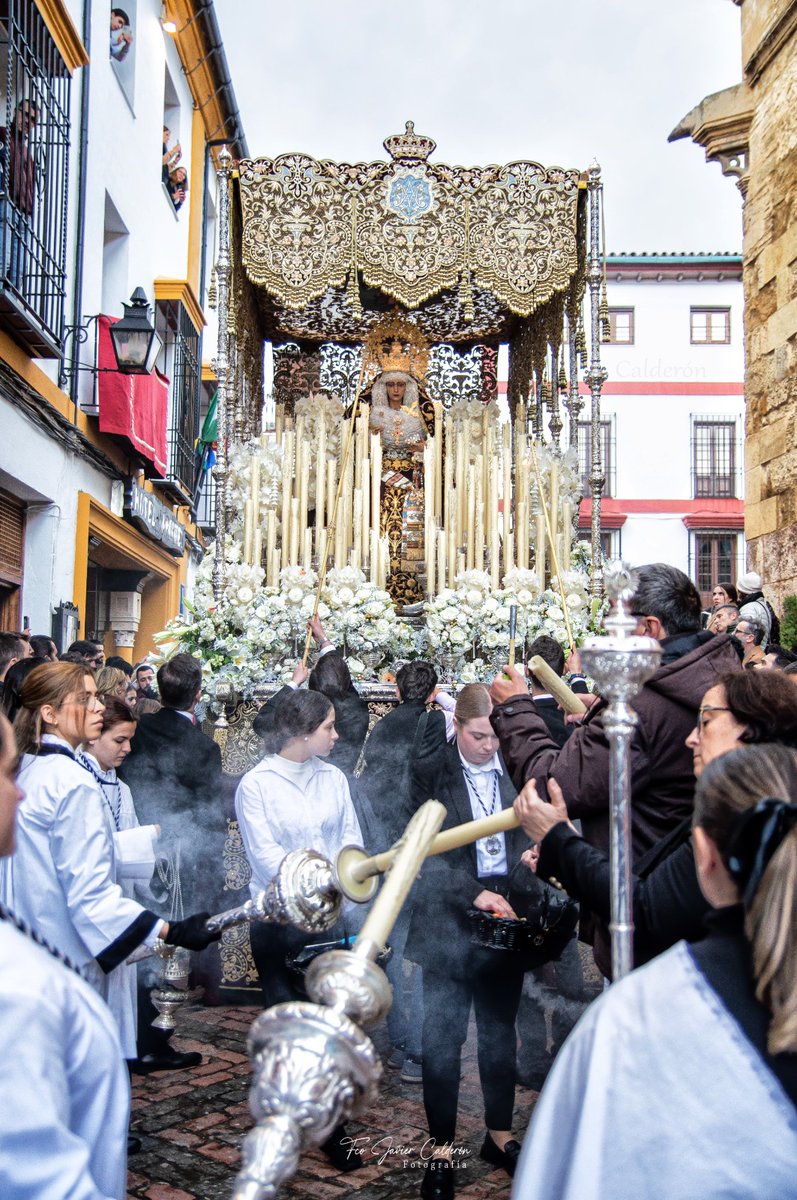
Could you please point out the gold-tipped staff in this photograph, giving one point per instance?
(322, 568)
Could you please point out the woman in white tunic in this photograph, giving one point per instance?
(61, 879)
(133, 844)
(64, 1092)
(293, 800)
(682, 1079)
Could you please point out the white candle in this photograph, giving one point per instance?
(307, 556)
(553, 509)
(478, 514)
(279, 418)
(567, 534)
(287, 477)
(522, 535)
(376, 480)
(294, 548)
(271, 542)
(539, 547)
(357, 531)
(373, 564)
(248, 531)
(441, 559)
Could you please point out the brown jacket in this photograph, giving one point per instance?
(662, 779)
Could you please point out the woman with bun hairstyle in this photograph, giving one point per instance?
(294, 800)
(682, 1078)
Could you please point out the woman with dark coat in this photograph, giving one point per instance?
(744, 707)
(469, 778)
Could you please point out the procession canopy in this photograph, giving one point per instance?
(475, 256)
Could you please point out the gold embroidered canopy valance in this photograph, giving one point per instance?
(469, 251)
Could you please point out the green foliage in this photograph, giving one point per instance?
(788, 623)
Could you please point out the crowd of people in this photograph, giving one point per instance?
(115, 818)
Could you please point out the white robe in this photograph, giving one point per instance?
(133, 862)
(277, 814)
(61, 880)
(64, 1091)
(657, 1093)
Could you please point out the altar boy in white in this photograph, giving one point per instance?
(64, 1092)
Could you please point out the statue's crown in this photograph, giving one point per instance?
(409, 145)
(396, 344)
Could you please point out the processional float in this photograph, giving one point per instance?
(473, 261)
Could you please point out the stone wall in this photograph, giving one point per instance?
(769, 55)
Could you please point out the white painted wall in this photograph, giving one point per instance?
(44, 473)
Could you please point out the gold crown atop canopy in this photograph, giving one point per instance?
(409, 145)
(395, 344)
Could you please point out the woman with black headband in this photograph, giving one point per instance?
(682, 1079)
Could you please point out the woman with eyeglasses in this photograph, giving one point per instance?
(64, 1092)
(681, 1080)
(62, 879)
(743, 707)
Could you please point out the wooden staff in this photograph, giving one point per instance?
(322, 570)
(556, 686)
(512, 633)
(356, 870)
(551, 543)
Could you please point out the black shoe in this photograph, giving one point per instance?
(133, 1144)
(506, 1158)
(438, 1180)
(173, 1061)
(340, 1151)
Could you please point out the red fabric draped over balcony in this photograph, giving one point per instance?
(135, 407)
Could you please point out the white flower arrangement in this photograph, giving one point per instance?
(475, 411)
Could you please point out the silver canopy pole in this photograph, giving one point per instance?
(620, 663)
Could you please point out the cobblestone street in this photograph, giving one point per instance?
(192, 1123)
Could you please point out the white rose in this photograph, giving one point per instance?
(295, 595)
(345, 595)
(524, 597)
(474, 598)
(491, 639)
(457, 636)
(449, 613)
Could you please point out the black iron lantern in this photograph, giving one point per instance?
(135, 342)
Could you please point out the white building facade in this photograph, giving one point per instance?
(673, 415)
(98, 523)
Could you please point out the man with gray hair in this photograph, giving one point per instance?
(750, 634)
(666, 606)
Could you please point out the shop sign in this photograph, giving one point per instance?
(153, 518)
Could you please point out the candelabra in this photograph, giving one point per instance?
(620, 663)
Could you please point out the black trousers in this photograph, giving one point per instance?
(494, 993)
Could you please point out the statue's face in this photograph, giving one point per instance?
(395, 389)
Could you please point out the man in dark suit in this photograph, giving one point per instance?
(174, 773)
